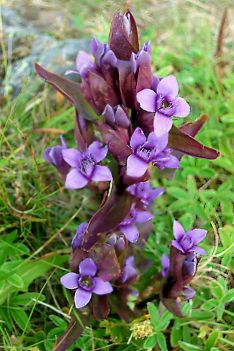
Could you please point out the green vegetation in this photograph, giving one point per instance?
(39, 217)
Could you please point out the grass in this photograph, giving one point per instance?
(39, 217)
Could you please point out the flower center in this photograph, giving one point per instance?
(144, 152)
(87, 165)
(86, 282)
(165, 104)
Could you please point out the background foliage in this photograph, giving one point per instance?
(39, 217)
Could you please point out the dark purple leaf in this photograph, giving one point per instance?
(183, 142)
(70, 89)
(117, 141)
(192, 128)
(122, 40)
(107, 218)
(83, 132)
(102, 93)
(101, 307)
(145, 78)
(108, 265)
(127, 85)
(75, 329)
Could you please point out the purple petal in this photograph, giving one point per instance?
(143, 216)
(83, 62)
(168, 86)
(155, 193)
(72, 157)
(165, 265)
(82, 298)
(70, 280)
(159, 142)
(101, 174)
(75, 180)
(130, 232)
(98, 151)
(77, 239)
(101, 287)
(88, 267)
(147, 100)
(129, 270)
(197, 235)
(182, 107)
(138, 138)
(173, 162)
(162, 124)
(188, 293)
(121, 118)
(177, 246)
(178, 230)
(199, 250)
(109, 58)
(136, 167)
(109, 114)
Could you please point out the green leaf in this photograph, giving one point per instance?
(154, 317)
(226, 235)
(58, 321)
(229, 296)
(162, 341)
(175, 335)
(20, 317)
(164, 320)
(15, 280)
(150, 342)
(212, 339)
(25, 298)
(202, 315)
(188, 347)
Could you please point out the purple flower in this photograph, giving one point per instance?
(102, 53)
(85, 283)
(128, 227)
(129, 270)
(77, 239)
(165, 265)
(84, 64)
(84, 166)
(116, 116)
(149, 150)
(165, 103)
(54, 156)
(187, 242)
(142, 58)
(188, 293)
(145, 192)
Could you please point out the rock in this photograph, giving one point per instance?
(26, 44)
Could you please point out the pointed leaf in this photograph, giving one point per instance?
(73, 332)
(107, 218)
(180, 141)
(122, 40)
(71, 90)
(192, 128)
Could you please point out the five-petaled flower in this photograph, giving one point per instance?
(187, 242)
(128, 227)
(84, 168)
(164, 102)
(85, 283)
(145, 192)
(149, 150)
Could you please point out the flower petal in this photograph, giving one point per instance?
(197, 235)
(168, 86)
(72, 157)
(101, 174)
(162, 124)
(178, 230)
(75, 180)
(88, 267)
(199, 250)
(101, 287)
(177, 246)
(165, 265)
(173, 162)
(82, 298)
(182, 107)
(147, 100)
(98, 151)
(143, 216)
(131, 232)
(136, 167)
(138, 138)
(70, 280)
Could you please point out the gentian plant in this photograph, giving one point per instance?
(124, 129)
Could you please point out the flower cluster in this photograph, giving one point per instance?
(125, 111)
